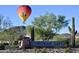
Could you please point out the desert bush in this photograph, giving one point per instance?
(2, 46)
(67, 50)
(15, 42)
(58, 38)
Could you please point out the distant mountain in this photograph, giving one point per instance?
(17, 28)
(67, 35)
(77, 34)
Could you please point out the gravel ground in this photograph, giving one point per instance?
(43, 50)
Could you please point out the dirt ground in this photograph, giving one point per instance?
(43, 50)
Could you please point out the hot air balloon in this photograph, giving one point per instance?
(24, 12)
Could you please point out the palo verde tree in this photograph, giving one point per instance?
(1, 20)
(48, 25)
(5, 23)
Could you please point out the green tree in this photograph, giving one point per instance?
(1, 19)
(28, 29)
(48, 25)
(5, 22)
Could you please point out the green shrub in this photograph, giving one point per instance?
(67, 50)
(15, 43)
(2, 47)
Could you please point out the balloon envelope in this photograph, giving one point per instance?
(24, 12)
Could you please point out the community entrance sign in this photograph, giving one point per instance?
(46, 44)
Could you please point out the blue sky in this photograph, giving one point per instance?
(37, 10)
